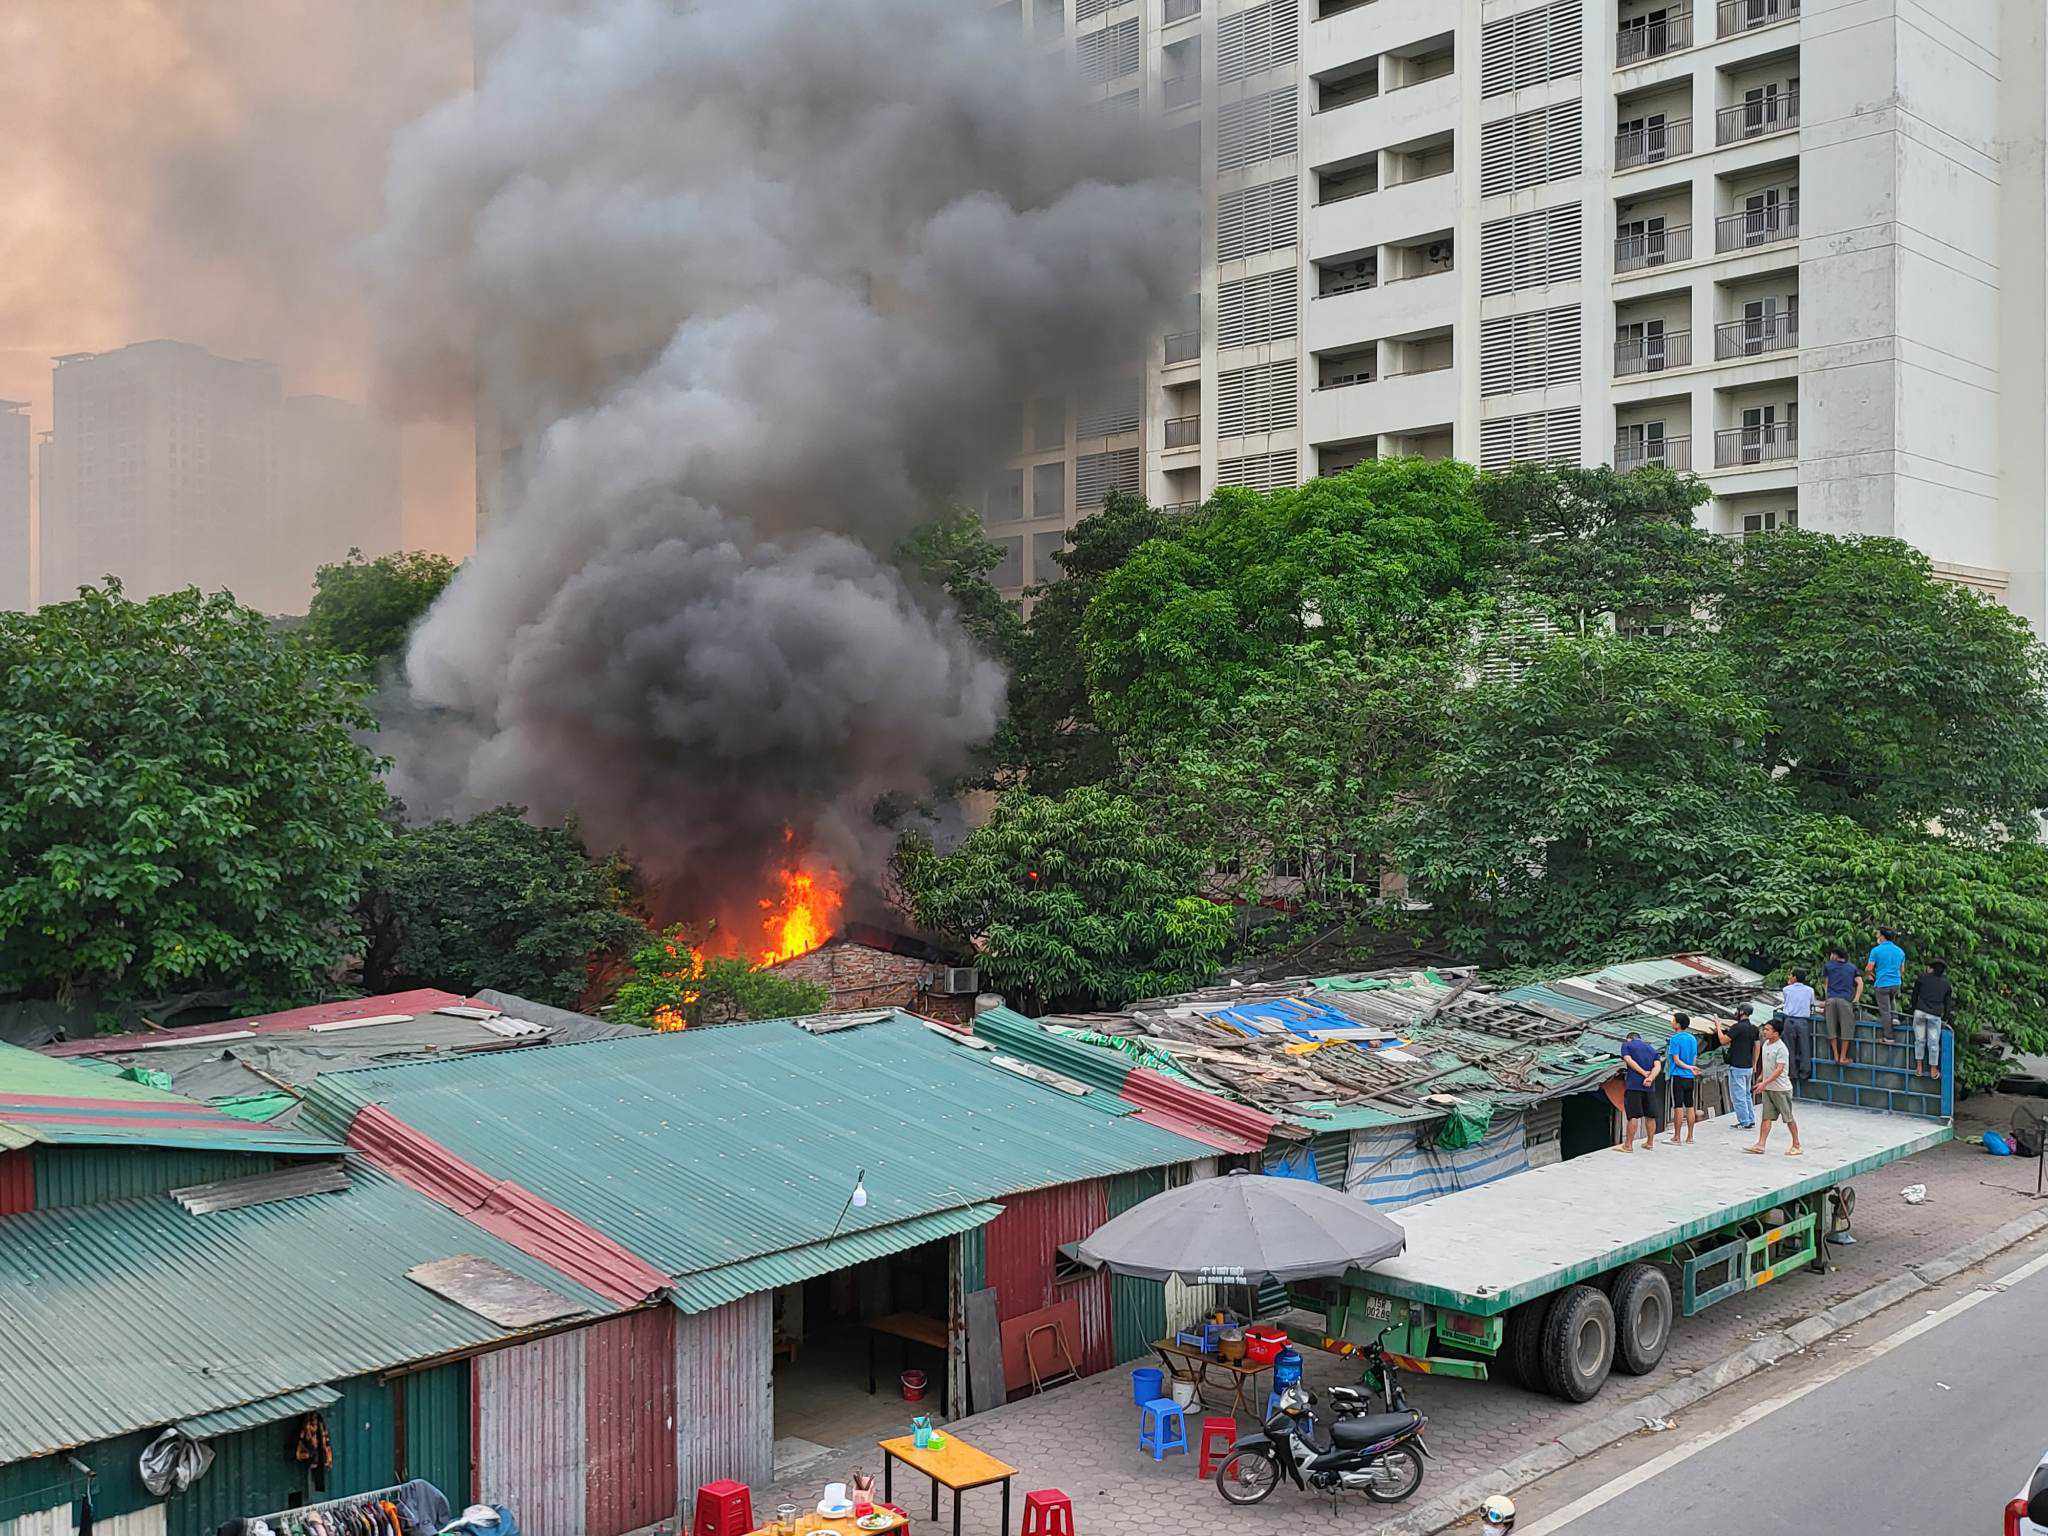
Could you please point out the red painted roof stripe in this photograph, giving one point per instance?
(419, 1000)
(1205, 1117)
(504, 1209)
(83, 1102)
(125, 1122)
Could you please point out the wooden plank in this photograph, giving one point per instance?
(914, 1326)
(984, 1353)
(492, 1291)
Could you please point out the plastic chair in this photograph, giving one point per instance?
(724, 1508)
(1272, 1404)
(1218, 1436)
(1048, 1512)
(1147, 1385)
(1162, 1428)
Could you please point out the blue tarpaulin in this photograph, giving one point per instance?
(1300, 1015)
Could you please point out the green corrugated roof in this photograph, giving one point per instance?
(269, 1410)
(43, 1099)
(1035, 1043)
(136, 1314)
(707, 1148)
(715, 1287)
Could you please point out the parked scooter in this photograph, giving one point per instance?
(1377, 1454)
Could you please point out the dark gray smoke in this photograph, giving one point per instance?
(758, 285)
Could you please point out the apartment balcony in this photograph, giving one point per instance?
(1183, 432)
(1754, 119)
(1736, 447)
(1652, 40)
(1390, 403)
(1362, 223)
(1171, 11)
(1670, 452)
(1183, 347)
(1647, 146)
(1182, 90)
(1756, 226)
(1739, 16)
(1400, 115)
(1633, 253)
(1652, 354)
(1757, 337)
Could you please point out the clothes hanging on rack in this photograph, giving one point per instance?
(312, 1448)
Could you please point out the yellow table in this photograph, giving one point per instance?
(811, 1523)
(956, 1465)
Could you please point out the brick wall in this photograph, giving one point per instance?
(858, 976)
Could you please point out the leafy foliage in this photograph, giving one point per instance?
(493, 902)
(672, 986)
(187, 806)
(952, 554)
(367, 608)
(1073, 901)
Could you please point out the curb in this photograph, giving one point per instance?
(1447, 1508)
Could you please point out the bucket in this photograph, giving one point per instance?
(1147, 1386)
(1184, 1395)
(913, 1386)
(1286, 1369)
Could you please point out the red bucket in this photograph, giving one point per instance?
(913, 1386)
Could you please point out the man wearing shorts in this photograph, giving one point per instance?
(1682, 1056)
(1887, 968)
(1844, 991)
(1774, 1090)
(1639, 1066)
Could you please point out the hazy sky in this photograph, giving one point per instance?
(204, 170)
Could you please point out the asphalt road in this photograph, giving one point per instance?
(1927, 1439)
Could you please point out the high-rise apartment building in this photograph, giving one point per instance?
(14, 461)
(1799, 247)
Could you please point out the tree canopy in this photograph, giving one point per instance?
(188, 808)
(672, 985)
(367, 608)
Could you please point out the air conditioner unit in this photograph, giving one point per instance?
(958, 980)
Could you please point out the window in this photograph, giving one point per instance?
(1354, 276)
(1252, 310)
(1529, 250)
(1115, 408)
(1049, 490)
(1255, 219)
(1335, 458)
(1097, 474)
(1009, 571)
(1768, 522)
(1264, 37)
(1257, 399)
(1066, 1269)
(1048, 423)
(1254, 130)
(1258, 471)
(1043, 547)
(1110, 53)
(1049, 15)
(1533, 351)
(1541, 437)
(1088, 10)
(1529, 149)
(1339, 370)
(1005, 502)
(1524, 50)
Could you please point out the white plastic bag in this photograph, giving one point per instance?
(172, 1462)
(1914, 1194)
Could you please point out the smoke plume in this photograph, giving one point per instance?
(756, 285)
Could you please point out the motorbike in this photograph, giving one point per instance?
(1377, 1454)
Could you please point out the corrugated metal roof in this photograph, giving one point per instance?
(706, 1148)
(269, 1410)
(295, 1181)
(419, 1001)
(58, 1102)
(136, 1314)
(715, 1287)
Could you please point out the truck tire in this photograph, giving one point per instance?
(1642, 1318)
(1578, 1344)
(1523, 1355)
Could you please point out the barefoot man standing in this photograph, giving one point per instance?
(1774, 1089)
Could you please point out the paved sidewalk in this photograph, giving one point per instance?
(1082, 1438)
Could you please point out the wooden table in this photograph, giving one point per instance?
(811, 1523)
(1177, 1358)
(956, 1464)
(911, 1328)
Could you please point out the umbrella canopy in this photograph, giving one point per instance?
(1242, 1229)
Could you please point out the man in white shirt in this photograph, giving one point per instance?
(1797, 1007)
(1774, 1090)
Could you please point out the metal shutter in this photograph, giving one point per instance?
(1259, 399)
(1110, 53)
(1257, 309)
(1529, 149)
(1256, 219)
(1524, 50)
(1541, 437)
(1097, 474)
(1264, 37)
(1529, 250)
(1535, 351)
(1087, 10)
(1258, 471)
(1115, 408)
(1256, 129)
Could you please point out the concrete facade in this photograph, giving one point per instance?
(1584, 231)
(14, 519)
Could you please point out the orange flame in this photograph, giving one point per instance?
(803, 918)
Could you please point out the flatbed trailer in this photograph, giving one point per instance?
(1559, 1274)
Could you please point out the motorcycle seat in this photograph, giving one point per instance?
(1372, 1429)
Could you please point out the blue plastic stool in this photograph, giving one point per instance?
(1147, 1386)
(1162, 1428)
(1272, 1404)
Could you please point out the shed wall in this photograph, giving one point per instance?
(17, 1181)
(530, 1432)
(1021, 1248)
(1137, 1308)
(630, 1420)
(437, 1425)
(725, 1395)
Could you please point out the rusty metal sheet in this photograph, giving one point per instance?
(630, 1421)
(1022, 1245)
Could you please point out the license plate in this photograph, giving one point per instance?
(1379, 1307)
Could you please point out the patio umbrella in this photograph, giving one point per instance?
(1242, 1229)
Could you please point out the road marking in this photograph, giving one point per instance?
(1607, 1493)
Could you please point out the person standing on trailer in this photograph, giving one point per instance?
(1742, 1038)
(1844, 991)
(1774, 1090)
(1796, 1008)
(1640, 1066)
(1933, 1004)
(1682, 1056)
(1886, 966)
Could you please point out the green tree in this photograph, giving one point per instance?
(493, 902)
(1074, 901)
(367, 608)
(1894, 697)
(673, 986)
(1605, 803)
(951, 554)
(187, 807)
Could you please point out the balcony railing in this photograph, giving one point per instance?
(1333, 284)
(1184, 346)
(1753, 338)
(1646, 146)
(1178, 10)
(1737, 446)
(1757, 226)
(1671, 452)
(1656, 249)
(1183, 431)
(1667, 34)
(1182, 90)
(1653, 354)
(1738, 16)
(1754, 119)
(1343, 378)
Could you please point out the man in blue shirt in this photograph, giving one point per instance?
(1640, 1066)
(1844, 992)
(1682, 1058)
(1795, 1007)
(1886, 967)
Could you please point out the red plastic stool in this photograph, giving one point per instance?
(1048, 1512)
(724, 1508)
(1218, 1435)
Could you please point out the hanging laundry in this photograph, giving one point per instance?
(313, 1449)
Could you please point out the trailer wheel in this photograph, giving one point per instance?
(1642, 1318)
(1578, 1344)
(1524, 1351)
